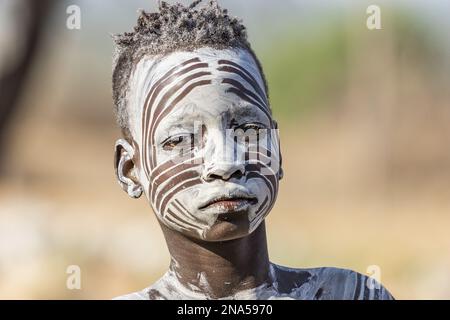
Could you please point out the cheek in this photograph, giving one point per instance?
(261, 189)
(166, 188)
(186, 197)
(183, 215)
(266, 199)
(167, 180)
(162, 157)
(257, 187)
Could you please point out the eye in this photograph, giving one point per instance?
(251, 128)
(177, 141)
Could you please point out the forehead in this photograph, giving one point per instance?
(204, 80)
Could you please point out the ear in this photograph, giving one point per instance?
(126, 170)
(280, 171)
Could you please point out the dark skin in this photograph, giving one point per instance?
(242, 263)
(222, 269)
(227, 257)
(229, 266)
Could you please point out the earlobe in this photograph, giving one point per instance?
(280, 171)
(125, 169)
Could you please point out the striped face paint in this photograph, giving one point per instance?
(208, 147)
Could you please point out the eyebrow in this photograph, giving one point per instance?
(246, 108)
(176, 121)
(242, 109)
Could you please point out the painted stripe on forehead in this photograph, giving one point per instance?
(241, 87)
(157, 84)
(149, 130)
(178, 85)
(154, 115)
(241, 68)
(245, 97)
(151, 93)
(160, 86)
(167, 110)
(251, 81)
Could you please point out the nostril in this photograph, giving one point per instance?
(223, 172)
(213, 176)
(237, 174)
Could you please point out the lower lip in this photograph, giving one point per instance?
(230, 205)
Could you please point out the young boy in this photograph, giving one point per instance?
(201, 144)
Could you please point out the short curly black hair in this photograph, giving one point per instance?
(174, 28)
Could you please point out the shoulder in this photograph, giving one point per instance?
(350, 285)
(328, 283)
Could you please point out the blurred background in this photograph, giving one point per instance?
(365, 134)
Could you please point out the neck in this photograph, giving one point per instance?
(219, 269)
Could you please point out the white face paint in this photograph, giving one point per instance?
(185, 110)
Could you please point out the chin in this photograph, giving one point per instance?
(225, 230)
(227, 227)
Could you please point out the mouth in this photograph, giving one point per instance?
(229, 203)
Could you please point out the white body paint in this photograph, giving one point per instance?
(331, 283)
(214, 106)
(209, 106)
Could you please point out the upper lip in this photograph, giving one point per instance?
(232, 196)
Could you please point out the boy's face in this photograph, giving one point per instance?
(206, 147)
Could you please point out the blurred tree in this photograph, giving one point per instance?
(21, 25)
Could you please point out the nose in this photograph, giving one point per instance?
(219, 159)
(223, 171)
